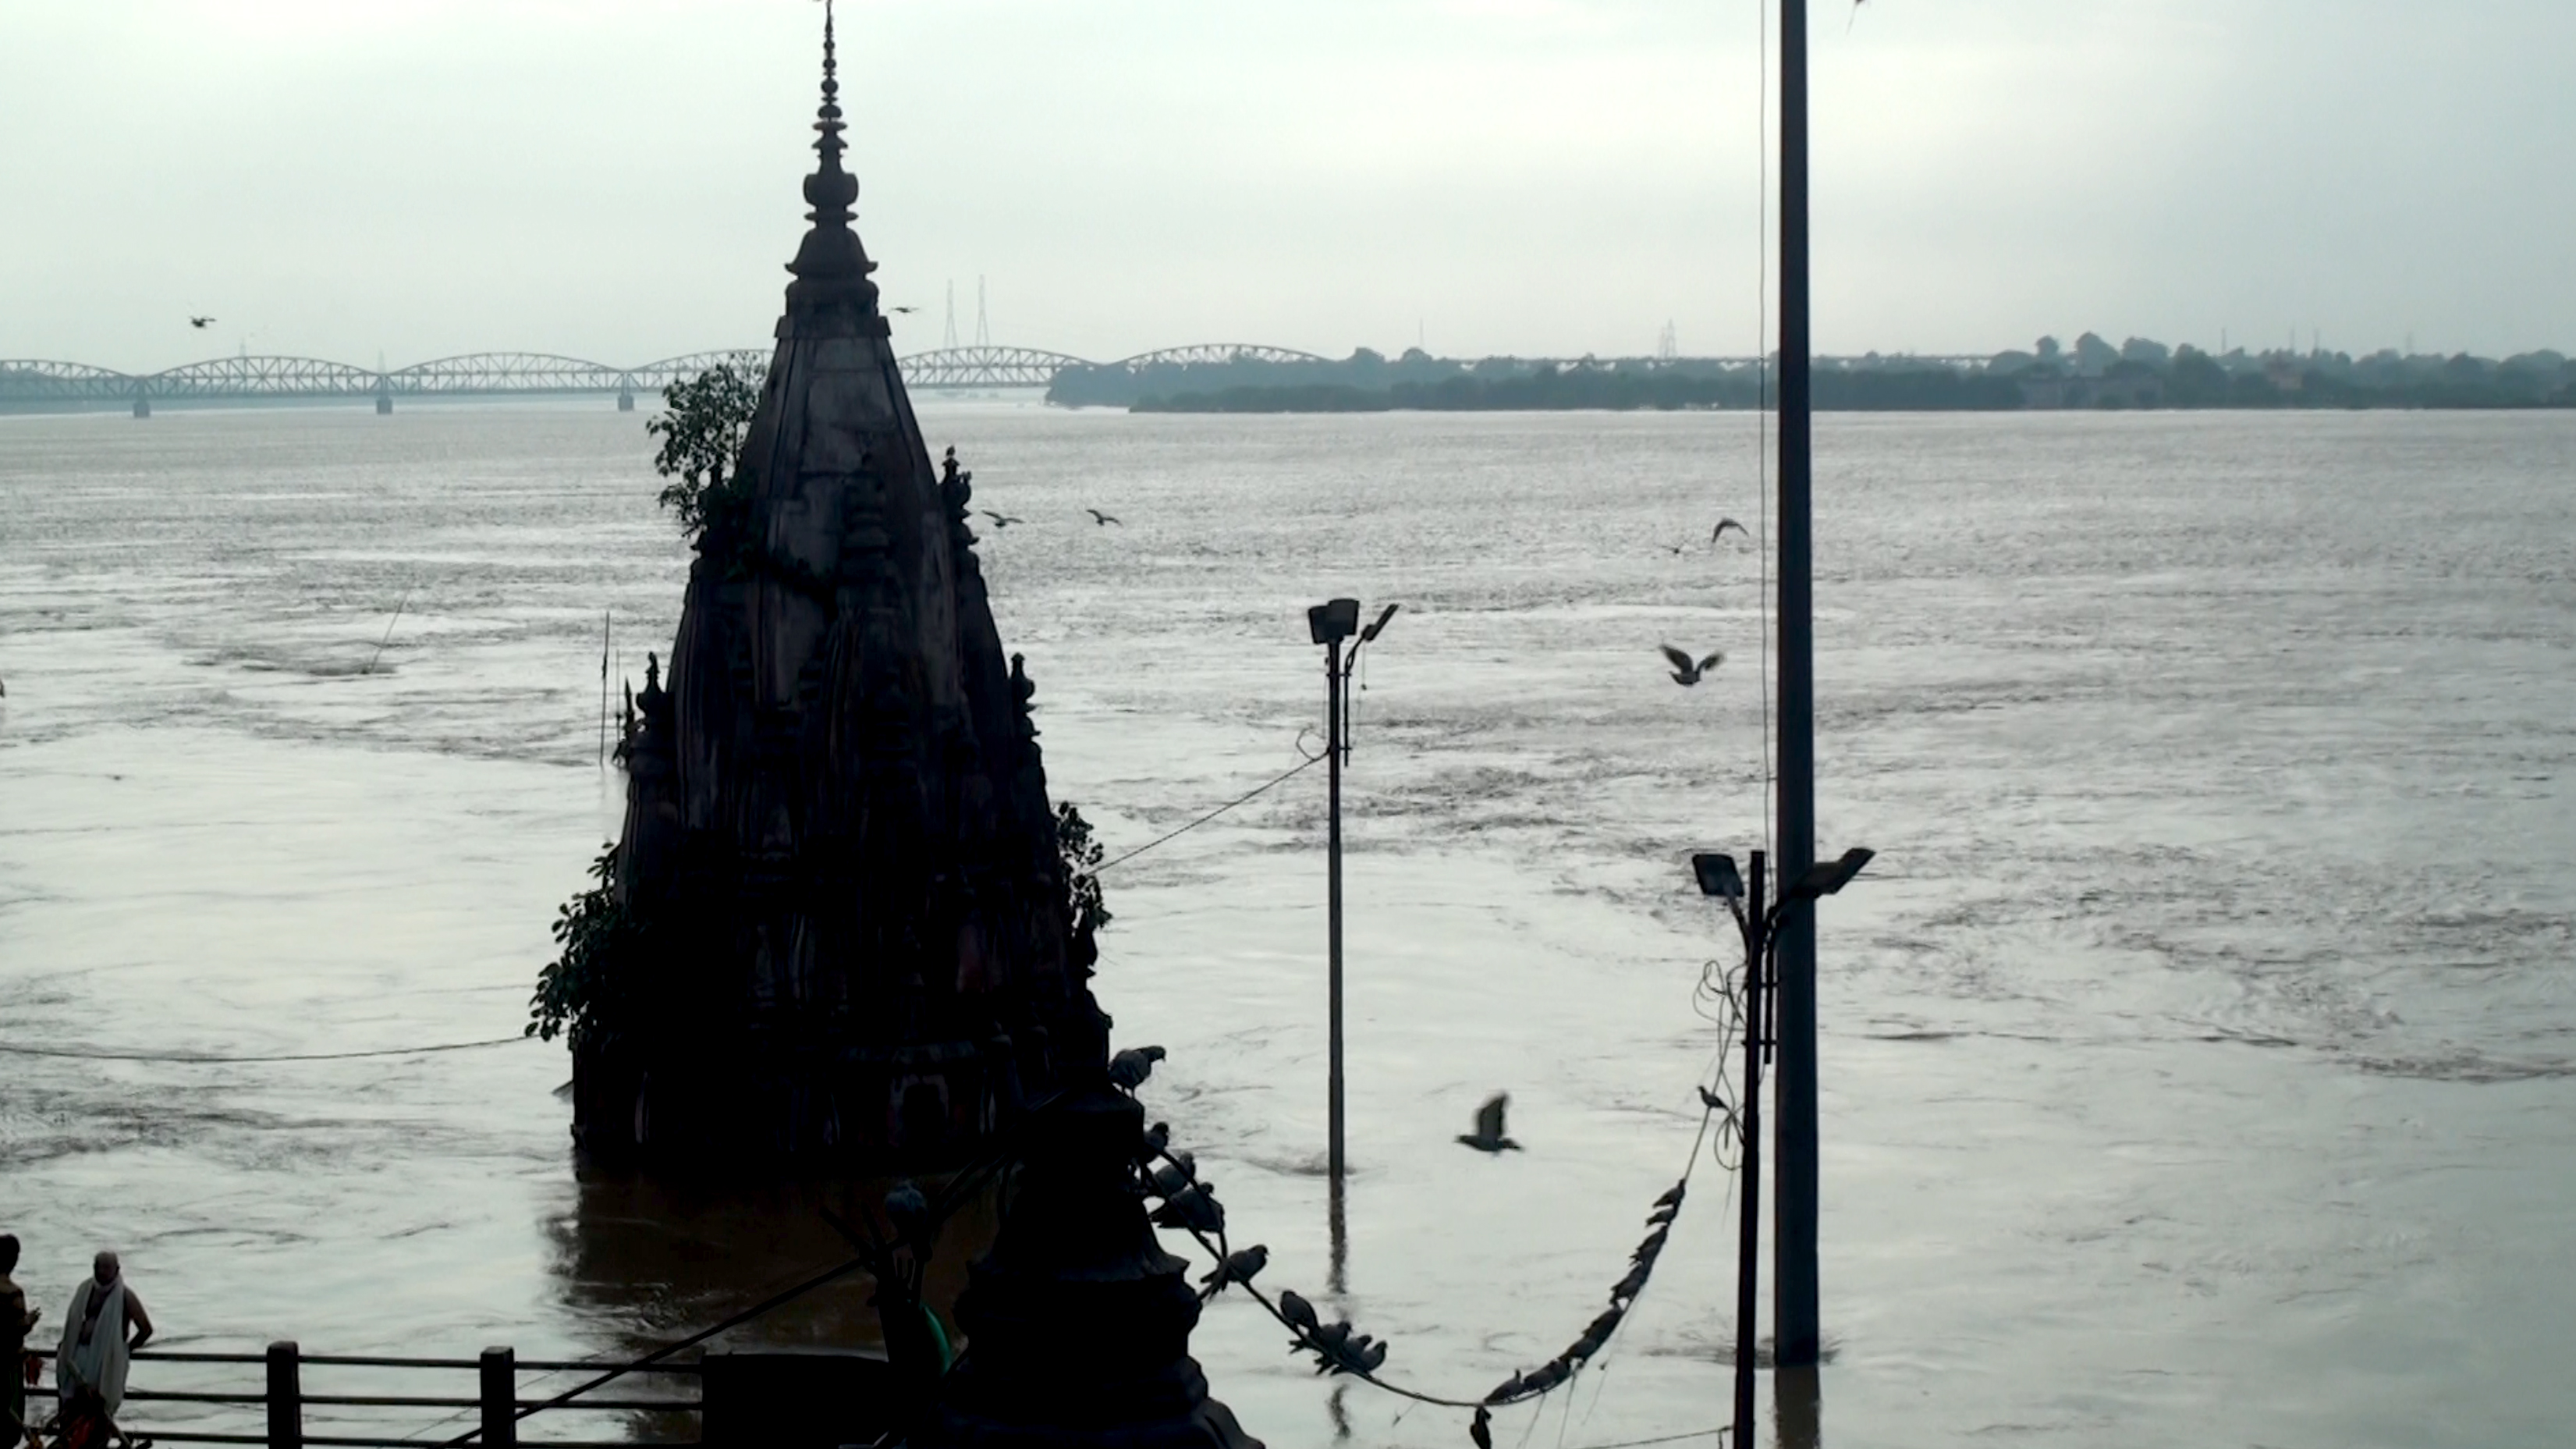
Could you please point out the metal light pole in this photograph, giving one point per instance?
(1762, 929)
(1794, 1308)
(1329, 624)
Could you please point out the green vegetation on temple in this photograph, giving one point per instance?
(2093, 374)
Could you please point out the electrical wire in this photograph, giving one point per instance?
(1279, 779)
(211, 1060)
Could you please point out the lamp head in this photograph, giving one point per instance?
(1828, 876)
(1332, 622)
(1717, 876)
(1373, 630)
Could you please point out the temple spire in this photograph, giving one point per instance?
(831, 265)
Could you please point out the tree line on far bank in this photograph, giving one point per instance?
(2093, 374)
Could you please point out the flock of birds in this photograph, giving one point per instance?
(1005, 520)
(1687, 670)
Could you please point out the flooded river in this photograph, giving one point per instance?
(2199, 1055)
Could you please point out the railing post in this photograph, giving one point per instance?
(285, 1397)
(500, 1398)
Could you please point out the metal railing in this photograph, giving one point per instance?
(284, 1399)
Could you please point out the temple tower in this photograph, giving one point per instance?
(838, 844)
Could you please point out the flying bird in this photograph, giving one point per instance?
(1488, 1136)
(1686, 671)
(1000, 520)
(1723, 525)
(200, 323)
(1103, 519)
(1676, 549)
(903, 309)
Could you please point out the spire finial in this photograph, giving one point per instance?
(831, 251)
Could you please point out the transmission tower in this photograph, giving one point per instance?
(983, 336)
(948, 339)
(1668, 346)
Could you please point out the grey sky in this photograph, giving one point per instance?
(616, 179)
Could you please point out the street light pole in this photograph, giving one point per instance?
(1749, 1245)
(1762, 927)
(1328, 624)
(1334, 749)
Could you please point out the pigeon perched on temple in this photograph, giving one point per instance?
(1129, 1069)
(1240, 1266)
(1194, 1207)
(1157, 1137)
(1488, 1136)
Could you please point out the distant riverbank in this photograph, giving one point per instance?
(2091, 375)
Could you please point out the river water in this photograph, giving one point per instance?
(2199, 1053)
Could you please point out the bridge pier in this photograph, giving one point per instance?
(384, 404)
(143, 407)
(626, 399)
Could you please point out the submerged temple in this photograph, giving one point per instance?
(838, 848)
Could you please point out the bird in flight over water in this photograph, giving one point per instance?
(1687, 671)
(1488, 1136)
(200, 323)
(1000, 520)
(903, 309)
(1103, 519)
(1723, 525)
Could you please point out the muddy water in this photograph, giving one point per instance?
(2196, 1057)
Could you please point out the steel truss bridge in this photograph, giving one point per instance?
(40, 385)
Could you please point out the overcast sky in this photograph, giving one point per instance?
(617, 179)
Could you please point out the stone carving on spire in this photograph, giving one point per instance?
(831, 266)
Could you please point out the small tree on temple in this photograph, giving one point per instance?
(702, 437)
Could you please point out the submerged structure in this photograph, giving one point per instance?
(848, 930)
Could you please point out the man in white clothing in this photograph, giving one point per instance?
(96, 1343)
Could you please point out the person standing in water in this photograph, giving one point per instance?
(89, 1374)
(16, 1321)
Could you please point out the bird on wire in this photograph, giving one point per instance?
(1000, 520)
(1488, 1136)
(1294, 1307)
(200, 323)
(1688, 671)
(1171, 1179)
(1102, 519)
(1240, 1266)
(1194, 1206)
(1723, 525)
